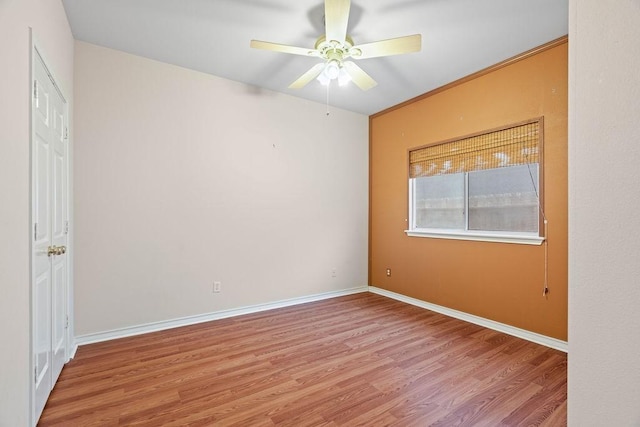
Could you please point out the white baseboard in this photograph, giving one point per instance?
(192, 320)
(497, 326)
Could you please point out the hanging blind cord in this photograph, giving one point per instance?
(545, 289)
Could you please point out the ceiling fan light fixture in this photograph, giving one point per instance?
(343, 77)
(323, 79)
(332, 70)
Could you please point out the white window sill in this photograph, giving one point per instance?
(517, 238)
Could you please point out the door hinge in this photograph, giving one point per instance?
(35, 374)
(35, 231)
(66, 227)
(66, 326)
(66, 132)
(35, 90)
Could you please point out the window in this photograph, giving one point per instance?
(481, 187)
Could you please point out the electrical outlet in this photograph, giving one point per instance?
(388, 272)
(217, 287)
(333, 273)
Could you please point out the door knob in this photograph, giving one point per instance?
(56, 250)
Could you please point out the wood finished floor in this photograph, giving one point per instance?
(359, 360)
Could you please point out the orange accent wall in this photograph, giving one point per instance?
(498, 281)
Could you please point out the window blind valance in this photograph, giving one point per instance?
(510, 146)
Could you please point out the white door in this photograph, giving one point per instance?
(50, 227)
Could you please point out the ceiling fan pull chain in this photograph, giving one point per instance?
(328, 86)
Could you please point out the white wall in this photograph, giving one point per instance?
(183, 178)
(604, 213)
(51, 30)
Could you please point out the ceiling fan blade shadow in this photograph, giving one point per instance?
(396, 46)
(336, 15)
(284, 48)
(304, 79)
(316, 18)
(399, 74)
(407, 4)
(252, 4)
(359, 76)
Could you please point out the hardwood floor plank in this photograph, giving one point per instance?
(358, 360)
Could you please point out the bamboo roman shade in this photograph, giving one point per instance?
(511, 146)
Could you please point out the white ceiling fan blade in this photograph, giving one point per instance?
(358, 76)
(397, 46)
(307, 77)
(336, 18)
(258, 44)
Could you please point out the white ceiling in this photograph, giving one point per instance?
(459, 37)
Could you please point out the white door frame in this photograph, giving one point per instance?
(70, 345)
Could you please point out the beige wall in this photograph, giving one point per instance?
(51, 31)
(183, 178)
(604, 213)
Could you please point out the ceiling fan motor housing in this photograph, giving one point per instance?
(334, 49)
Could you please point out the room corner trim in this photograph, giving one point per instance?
(491, 324)
(192, 320)
(74, 349)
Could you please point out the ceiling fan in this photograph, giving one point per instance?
(335, 46)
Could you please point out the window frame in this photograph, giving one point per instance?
(526, 238)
